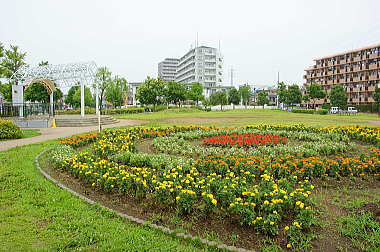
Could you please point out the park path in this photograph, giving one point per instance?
(50, 133)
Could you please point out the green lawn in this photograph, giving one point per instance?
(37, 215)
(249, 116)
(26, 133)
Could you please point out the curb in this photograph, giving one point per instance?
(134, 219)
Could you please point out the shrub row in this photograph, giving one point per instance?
(9, 130)
(311, 111)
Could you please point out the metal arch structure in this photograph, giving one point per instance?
(64, 75)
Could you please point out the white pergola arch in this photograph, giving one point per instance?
(64, 75)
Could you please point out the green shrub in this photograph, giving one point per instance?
(311, 111)
(326, 106)
(9, 130)
(303, 111)
(321, 111)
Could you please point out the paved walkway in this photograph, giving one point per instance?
(49, 133)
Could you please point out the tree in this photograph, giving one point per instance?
(283, 94)
(151, 92)
(175, 92)
(233, 97)
(262, 99)
(6, 91)
(87, 97)
(376, 97)
(70, 96)
(196, 92)
(117, 91)
(338, 96)
(12, 61)
(306, 99)
(43, 63)
(103, 79)
(294, 95)
(219, 98)
(315, 92)
(245, 93)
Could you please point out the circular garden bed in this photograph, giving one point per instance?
(244, 184)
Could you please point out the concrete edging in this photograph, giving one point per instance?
(131, 218)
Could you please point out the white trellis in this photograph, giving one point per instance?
(63, 75)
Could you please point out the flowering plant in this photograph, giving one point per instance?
(244, 140)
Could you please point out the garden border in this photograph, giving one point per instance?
(131, 218)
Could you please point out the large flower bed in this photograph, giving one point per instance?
(244, 140)
(253, 186)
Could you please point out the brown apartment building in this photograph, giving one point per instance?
(358, 71)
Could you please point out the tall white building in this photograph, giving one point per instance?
(167, 69)
(202, 64)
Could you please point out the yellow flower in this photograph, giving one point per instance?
(214, 201)
(177, 198)
(288, 245)
(286, 228)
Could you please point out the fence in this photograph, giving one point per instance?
(27, 109)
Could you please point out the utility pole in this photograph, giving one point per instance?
(232, 76)
(278, 82)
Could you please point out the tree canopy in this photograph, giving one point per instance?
(234, 97)
(315, 92)
(219, 98)
(338, 96)
(294, 95)
(117, 91)
(245, 93)
(196, 92)
(151, 92)
(175, 92)
(262, 99)
(36, 92)
(10, 61)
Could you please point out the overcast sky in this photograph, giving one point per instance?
(258, 38)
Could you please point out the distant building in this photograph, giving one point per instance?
(167, 69)
(202, 64)
(358, 71)
(132, 90)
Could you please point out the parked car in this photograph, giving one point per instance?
(334, 110)
(352, 110)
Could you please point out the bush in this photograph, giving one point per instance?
(303, 111)
(322, 111)
(9, 130)
(370, 108)
(311, 111)
(326, 106)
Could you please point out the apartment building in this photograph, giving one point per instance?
(167, 69)
(358, 71)
(201, 64)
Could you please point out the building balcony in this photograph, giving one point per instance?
(357, 58)
(373, 56)
(373, 66)
(373, 77)
(370, 88)
(370, 99)
(356, 68)
(329, 82)
(355, 79)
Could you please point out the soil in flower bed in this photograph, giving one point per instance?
(221, 228)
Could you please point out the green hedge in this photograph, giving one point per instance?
(311, 111)
(9, 130)
(370, 108)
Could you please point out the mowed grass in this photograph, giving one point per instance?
(37, 215)
(240, 117)
(26, 133)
